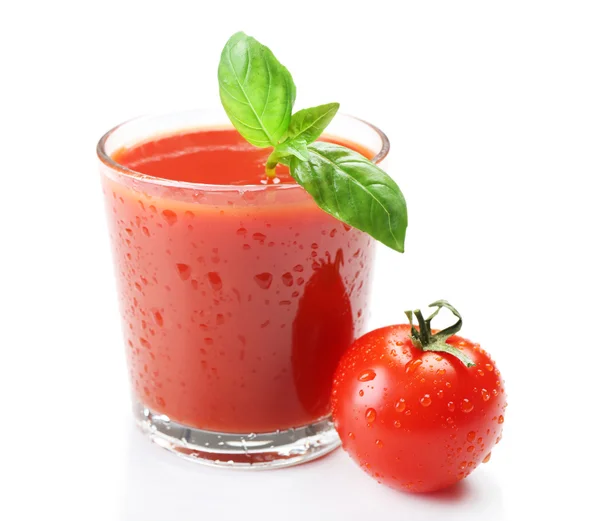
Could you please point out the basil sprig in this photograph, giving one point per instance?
(257, 92)
(258, 95)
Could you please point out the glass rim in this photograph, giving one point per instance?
(108, 161)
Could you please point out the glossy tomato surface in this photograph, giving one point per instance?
(417, 420)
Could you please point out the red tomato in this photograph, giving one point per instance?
(416, 419)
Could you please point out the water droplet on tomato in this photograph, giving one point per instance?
(485, 395)
(242, 232)
(215, 280)
(298, 268)
(264, 280)
(463, 465)
(489, 367)
(413, 365)
(487, 457)
(367, 375)
(170, 216)
(361, 393)
(470, 448)
(370, 415)
(500, 419)
(440, 393)
(451, 406)
(400, 405)
(471, 436)
(466, 405)
(351, 435)
(397, 424)
(145, 343)
(145, 231)
(426, 400)
(184, 271)
(379, 444)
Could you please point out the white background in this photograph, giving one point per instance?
(493, 112)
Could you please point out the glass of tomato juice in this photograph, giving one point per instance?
(238, 296)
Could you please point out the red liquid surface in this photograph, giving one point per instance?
(236, 307)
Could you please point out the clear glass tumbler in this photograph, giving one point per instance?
(237, 302)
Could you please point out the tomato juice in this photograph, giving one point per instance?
(238, 297)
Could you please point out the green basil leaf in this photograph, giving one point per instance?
(309, 124)
(296, 148)
(257, 92)
(283, 153)
(354, 190)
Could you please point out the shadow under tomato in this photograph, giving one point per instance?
(322, 331)
(452, 494)
(480, 491)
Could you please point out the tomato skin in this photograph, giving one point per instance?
(416, 420)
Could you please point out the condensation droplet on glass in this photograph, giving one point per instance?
(215, 280)
(263, 280)
(170, 216)
(158, 319)
(184, 271)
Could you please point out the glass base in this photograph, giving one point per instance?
(250, 451)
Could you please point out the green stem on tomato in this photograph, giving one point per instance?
(423, 339)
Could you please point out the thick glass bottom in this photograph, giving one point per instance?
(247, 451)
